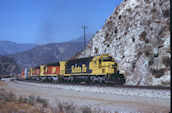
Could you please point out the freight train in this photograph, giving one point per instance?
(97, 69)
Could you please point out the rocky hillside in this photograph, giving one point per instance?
(8, 47)
(8, 66)
(49, 53)
(137, 35)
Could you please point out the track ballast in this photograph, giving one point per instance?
(104, 85)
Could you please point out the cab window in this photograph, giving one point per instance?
(99, 60)
(108, 59)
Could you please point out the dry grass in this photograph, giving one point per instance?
(43, 101)
(9, 103)
(3, 83)
(86, 109)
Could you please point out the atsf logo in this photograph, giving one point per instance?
(78, 69)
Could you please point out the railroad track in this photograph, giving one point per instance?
(104, 85)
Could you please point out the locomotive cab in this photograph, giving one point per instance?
(107, 68)
(108, 65)
(102, 65)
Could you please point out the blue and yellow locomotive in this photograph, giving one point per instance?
(101, 69)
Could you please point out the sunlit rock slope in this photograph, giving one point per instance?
(137, 35)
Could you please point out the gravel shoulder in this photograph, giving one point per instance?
(94, 97)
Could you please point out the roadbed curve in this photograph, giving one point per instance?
(107, 98)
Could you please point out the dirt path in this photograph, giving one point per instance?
(107, 102)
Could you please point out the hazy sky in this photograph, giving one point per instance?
(43, 21)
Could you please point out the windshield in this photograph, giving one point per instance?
(106, 59)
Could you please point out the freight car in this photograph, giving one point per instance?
(100, 69)
(24, 74)
(34, 73)
(50, 72)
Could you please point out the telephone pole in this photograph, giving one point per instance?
(84, 27)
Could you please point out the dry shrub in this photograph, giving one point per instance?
(137, 6)
(157, 73)
(168, 50)
(148, 22)
(96, 50)
(15, 105)
(154, 10)
(147, 1)
(165, 82)
(151, 61)
(147, 41)
(154, 4)
(147, 53)
(44, 102)
(116, 12)
(129, 9)
(86, 109)
(143, 36)
(140, 53)
(60, 106)
(9, 97)
(25, 100)
(20, 99)
(166, 13)
(107, 37)
(69, 107)
(166, 61)
(32, 100)
(64, 107)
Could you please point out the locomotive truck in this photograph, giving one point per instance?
(100, 69)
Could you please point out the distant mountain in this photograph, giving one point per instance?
(8, 66)
(81, 38)
(49, 53)
(8, 47)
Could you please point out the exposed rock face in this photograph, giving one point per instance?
(137, 35)
(8, 66)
